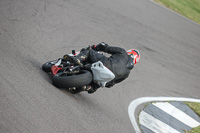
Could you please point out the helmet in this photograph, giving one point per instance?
(135, 54)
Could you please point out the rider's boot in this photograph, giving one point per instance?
(80, 58)
(75, 59)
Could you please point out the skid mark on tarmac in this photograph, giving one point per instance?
(171, 115)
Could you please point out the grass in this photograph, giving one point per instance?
(194, 130)
(188, 8)
(196, 108)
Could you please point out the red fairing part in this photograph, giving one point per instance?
(55, 69)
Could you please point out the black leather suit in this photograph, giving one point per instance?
(120, 63)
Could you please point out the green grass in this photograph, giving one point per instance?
(188, 8)
(194, 130)
(196, 108)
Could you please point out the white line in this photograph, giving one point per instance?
(174, 12)
(134, 104)
(178, 114)
(154, 124)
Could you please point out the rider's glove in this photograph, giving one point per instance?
(110, 84)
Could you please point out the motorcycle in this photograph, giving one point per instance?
(74, 77)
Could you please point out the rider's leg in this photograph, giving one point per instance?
(87, 54)
(95, 56)
(80, 58)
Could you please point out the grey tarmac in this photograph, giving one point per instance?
(35, 31)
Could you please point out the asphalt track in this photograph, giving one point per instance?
(35, 31)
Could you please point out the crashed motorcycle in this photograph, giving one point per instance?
(74, 77)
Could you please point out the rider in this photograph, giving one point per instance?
(120, 62)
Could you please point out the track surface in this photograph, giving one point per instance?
(35, 31)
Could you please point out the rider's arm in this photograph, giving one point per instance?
(109, 49)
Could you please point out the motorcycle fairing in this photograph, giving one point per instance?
(55, 67)
(101, 74)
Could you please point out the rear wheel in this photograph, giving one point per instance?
(62, 80)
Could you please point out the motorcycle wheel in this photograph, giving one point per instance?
(61, 80)
(47, 66)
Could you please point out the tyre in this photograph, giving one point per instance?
(47, 66)
(61, 80)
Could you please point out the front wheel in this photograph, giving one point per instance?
(62, 80)
(47, 66)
